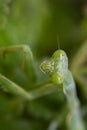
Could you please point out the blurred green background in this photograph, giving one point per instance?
(44, 25)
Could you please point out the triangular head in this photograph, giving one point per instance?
(56, 67)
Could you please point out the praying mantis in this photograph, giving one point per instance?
(60, 77)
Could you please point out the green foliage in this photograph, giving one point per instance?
(38, 23)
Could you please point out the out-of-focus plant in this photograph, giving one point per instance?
(38, 23)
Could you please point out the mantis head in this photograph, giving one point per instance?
(56, 67)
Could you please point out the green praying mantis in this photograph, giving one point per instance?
(60, 77)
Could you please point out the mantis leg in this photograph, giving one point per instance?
(27, 62)
(57, 122)
(17, 90)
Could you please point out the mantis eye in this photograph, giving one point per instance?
(57, 78)
(58, 53)
(47, 67)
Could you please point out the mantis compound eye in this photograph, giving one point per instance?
(58, 53)
(57, 78)
(47, 67)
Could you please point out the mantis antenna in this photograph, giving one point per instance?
(58, 42)
(57, 69)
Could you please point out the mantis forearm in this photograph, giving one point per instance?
(27, 59)
(15, 89)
